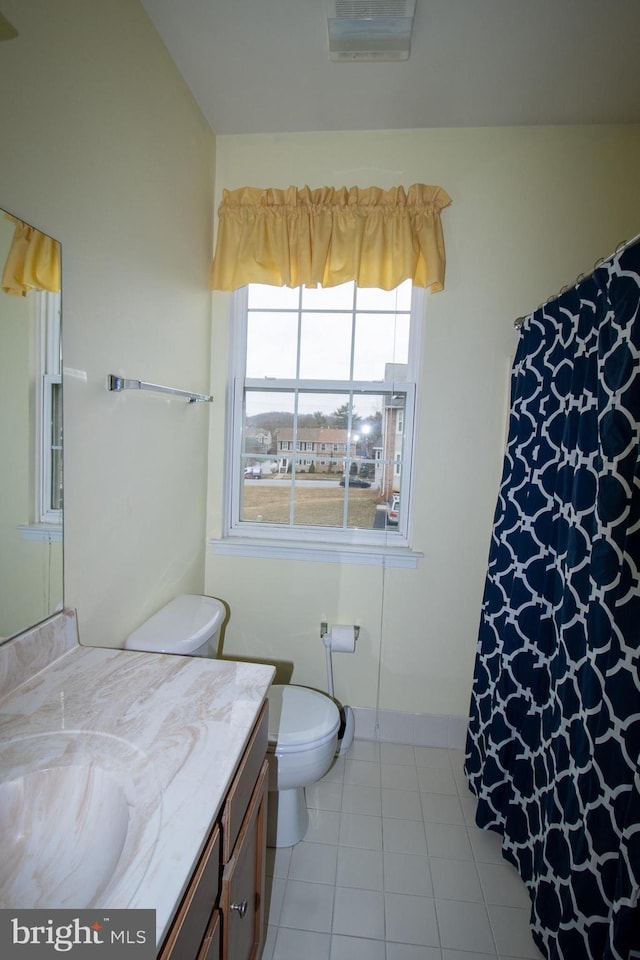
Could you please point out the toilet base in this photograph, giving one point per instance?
(287, 817)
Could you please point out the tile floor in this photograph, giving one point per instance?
(394, 868)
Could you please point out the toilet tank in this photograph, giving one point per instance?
(188, 625)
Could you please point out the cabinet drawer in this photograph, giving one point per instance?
(244, 783)
(194, 914)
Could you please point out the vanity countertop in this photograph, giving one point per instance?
(180, 722)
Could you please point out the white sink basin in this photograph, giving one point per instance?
(78, 823)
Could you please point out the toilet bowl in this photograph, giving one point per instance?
(303, 735)
(303, 723)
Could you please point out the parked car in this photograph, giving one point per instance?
(393, 511)
(253, 473)
(355, 482)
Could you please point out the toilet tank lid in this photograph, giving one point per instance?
(299, 715)
(181, 626)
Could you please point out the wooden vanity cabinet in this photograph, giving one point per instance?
(221, 915)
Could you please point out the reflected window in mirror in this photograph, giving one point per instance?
(31, 508)
(48, 420)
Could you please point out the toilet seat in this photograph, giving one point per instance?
(300, 717)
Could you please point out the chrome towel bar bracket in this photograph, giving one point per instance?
(117, 384)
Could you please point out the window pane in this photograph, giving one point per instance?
(381, 339)
(362, 509)
(56, 447)
(371, 299)
(318, 497)
(265, 414)
(266, 501)
(326, 409)
(328, 298)
(271, 344)
(263, 499)
(325, 346)
(389, 468)
(267, 297)
(268, 408)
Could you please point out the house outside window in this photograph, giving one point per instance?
(326, 369)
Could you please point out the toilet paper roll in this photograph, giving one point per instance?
(343, 638)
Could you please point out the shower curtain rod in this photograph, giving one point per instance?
(517, 323)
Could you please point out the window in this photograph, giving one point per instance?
(49, 412)
(323, 370)
(46, 520)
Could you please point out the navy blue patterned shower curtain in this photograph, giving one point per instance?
(553, 742)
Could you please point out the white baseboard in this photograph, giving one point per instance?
(419, 729)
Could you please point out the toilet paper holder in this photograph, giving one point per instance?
(346, 732)
(324, 630)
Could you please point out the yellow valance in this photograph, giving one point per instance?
(33, 262)
(329, 236)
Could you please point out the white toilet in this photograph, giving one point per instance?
(303, 723)
(303, 736)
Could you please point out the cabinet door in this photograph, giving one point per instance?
(210, 949)
(242, 900)
(194, 914)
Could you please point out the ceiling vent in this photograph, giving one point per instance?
(370, 29)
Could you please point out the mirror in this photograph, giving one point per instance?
(31, 586)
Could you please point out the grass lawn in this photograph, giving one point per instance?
(315, 507)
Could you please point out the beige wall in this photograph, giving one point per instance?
(104, 148)
(532, 208)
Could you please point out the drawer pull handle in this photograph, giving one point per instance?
(241, 908)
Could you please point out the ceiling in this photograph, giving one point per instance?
(262, 66)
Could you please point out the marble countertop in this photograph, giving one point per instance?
(175, 726)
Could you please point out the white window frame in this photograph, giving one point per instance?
(49, 375)
(47, 513)
(46, 319)
(250, 538)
